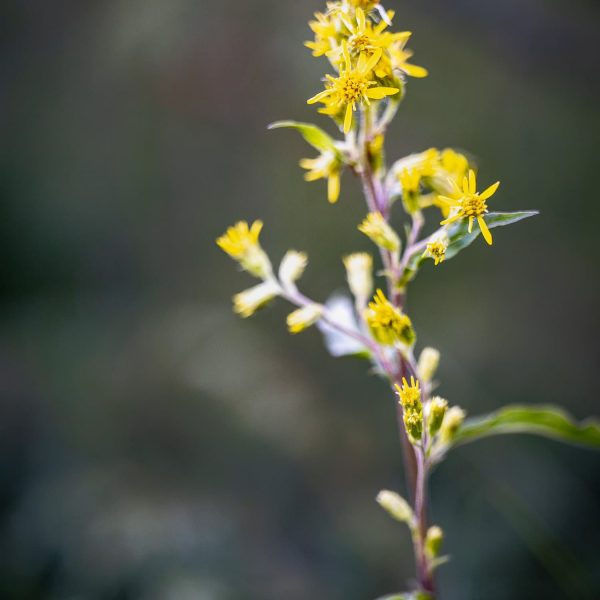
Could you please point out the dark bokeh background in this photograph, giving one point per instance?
(154, 446)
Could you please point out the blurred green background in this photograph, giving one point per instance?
(154, 446)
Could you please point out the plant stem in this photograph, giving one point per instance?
(415, 461)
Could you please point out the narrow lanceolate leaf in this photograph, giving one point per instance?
(547, 421)
(459, 237)
(314, 135)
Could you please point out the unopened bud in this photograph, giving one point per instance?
(304, 317)
(397, 507)
(436, 412)
(359, 271)
(413, 421)
(380, 232)
(452, 421)
(433, 541)
(292, 267)
(428, 363)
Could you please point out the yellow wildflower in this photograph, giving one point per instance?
(375, 227)
(326, 28)
(241, 243)
(353, 86)
(326, 166)
(387, 323)
(304, 317)
(410, 398)
(468, 203)
(246, 303)
(410, 394)
(436, 249)
(365, 37)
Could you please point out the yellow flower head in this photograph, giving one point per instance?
(327, 29)
(379, 231)
(436, 249)
(365, 37)
(326, 166)
(353, 86)
(388, 324)
(410, 398)
(241, 243)
(468, 203)
(409, 394)
(246, 303)
(304, 317)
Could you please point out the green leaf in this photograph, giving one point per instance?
(314, 135)
(547, 421)
(460, 238)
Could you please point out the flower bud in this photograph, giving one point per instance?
(428, 363)
(359, 271)
(436, 412)
(413, 421)
(246, 303)
(433, 541)
(375, 227)
(292, 267)
(452, 421)
(304, 317)
(396, 506)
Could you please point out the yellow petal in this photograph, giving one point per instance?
(319, 96)
(465, 185)
(346, 55)
(333, 187)
(472, 182)
(348, 118)
(414, 70)
(373, 61)
(377, 93)
(360, 18)
(487, 236)
(470, 224)
(490, 191)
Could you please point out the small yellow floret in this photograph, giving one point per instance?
(379, 231)
(241, 243)
(410, 394)
(353, 87)
(467, 203)
(387, 323)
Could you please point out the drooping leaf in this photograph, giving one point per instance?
(547, 421)
(314, 135)
(460, 238)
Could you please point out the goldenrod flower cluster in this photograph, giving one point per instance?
(369, 66)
